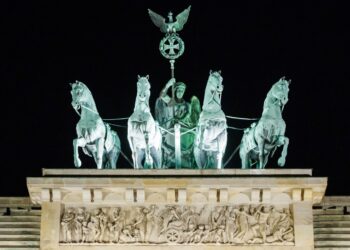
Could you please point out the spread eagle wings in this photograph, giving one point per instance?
(158, 20)
(165, 27)
(181, 18)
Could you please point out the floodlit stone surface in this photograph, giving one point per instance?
(89, 199)
(19, 224)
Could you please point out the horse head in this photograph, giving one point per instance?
(213, 91)
(280, 91)
(143, 94)
(81, 96)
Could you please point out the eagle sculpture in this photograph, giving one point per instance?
(171, 26)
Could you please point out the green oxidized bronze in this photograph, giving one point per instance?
(177, 118)
(262, 138)
(144, 136)
(171, 26)
(172, 113)
(95, 136)
(172, 46)
(181, 135)
(211, 133)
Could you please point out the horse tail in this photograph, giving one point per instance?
(111, 139)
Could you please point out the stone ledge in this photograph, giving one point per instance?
(9, 202)
(182, 247)
(176, 172)
(335, 201)
(224, 188)
(237, 182)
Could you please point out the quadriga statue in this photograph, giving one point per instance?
(263, 137)
(95, 137)
(211, 134)
(144, 136)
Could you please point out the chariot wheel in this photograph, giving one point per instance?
(173, 236)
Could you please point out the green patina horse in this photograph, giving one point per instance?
(263, 137)
(144, 136)
(95, 137)
(211, 134)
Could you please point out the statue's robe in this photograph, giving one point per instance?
(168, 113)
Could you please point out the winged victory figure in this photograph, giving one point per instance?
(171, 26)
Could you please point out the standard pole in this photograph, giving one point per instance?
(177, 132)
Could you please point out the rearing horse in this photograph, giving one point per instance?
(94, 136)
(265, 136)
(144, 136)
(211, 136)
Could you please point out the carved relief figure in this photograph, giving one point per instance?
(263, 215)
(95, 225)
(243, 224)
(116, 224)
(103, 218)
(151, 222)
(86, 232)
(67, 225)
(231, 226)
(141, 222)
(78, 221)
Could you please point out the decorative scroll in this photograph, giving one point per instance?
(173, 224)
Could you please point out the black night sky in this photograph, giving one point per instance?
(47, 45)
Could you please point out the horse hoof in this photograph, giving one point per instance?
(281, 162)
(77, 163)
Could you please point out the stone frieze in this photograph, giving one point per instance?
(175, 224)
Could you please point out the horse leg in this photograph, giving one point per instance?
(219, 160)
(99, 152)
(113, 156)
(207, 159)
(132, 147)
(244, 158)
(198, 155)
(80, 142)
(140, 155)
(221, 144)
(266, 158)
(282, 140)
(158, 148)
(261, 146)
(244, 152)
(156, 157)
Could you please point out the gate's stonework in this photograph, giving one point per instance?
(172, 209)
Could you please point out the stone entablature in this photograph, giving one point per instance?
(149, 187)
(93, 200)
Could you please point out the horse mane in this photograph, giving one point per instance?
(208, 96)
(269, 95)
(87, 92)
(91, 98)
(142, 80)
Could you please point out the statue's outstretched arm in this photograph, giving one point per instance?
(164, 92)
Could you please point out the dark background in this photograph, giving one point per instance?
(47, 45)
